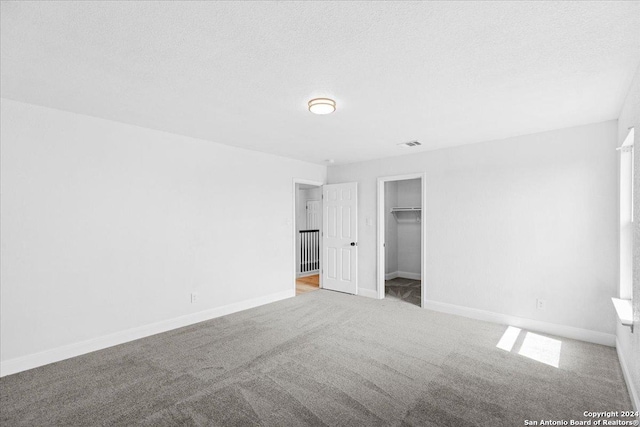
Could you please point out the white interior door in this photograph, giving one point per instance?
(340, 237)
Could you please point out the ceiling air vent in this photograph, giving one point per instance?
(409, 144)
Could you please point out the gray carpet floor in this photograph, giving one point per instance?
(407, 290)
(322, 358)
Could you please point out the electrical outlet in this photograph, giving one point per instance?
(194, 298)
(541, 304)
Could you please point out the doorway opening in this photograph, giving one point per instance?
(307, 234)
(401, 239)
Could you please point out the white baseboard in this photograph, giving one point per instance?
(407, 275)
(529, 324)
(633, 392)
(367, 293)
(403, 274)
(31, 361)
(308, 273)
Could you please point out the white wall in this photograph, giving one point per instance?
(409, 232)
(107, 227)
(390, 227)
(510, 221)
(628, 343)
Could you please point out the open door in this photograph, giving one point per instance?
(340, 237)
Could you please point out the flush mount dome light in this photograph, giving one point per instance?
(322, 106)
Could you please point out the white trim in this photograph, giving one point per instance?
(402, 274)
(407, 275)
(521, 322)
(294, 194)
(633, 393)
(624, 311)
(369, 293)
(392, 275)
(308, 273)
(381, 275)
(629, 140)
(31, 361)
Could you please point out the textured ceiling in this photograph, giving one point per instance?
(240, 73)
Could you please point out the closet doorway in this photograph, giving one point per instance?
(401, 204)
(307, 235)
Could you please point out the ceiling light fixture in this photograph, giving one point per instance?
(322, 106)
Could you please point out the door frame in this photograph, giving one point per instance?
(381, 232)
(295, 231)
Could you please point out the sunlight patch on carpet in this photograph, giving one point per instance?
(533, 346)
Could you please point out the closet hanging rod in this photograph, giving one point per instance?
(398, 209)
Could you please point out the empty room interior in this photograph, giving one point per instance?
(287, 213)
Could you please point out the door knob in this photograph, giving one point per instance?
(353, 243)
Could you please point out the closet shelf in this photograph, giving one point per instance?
(407, 214)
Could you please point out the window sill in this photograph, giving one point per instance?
(624, 311)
